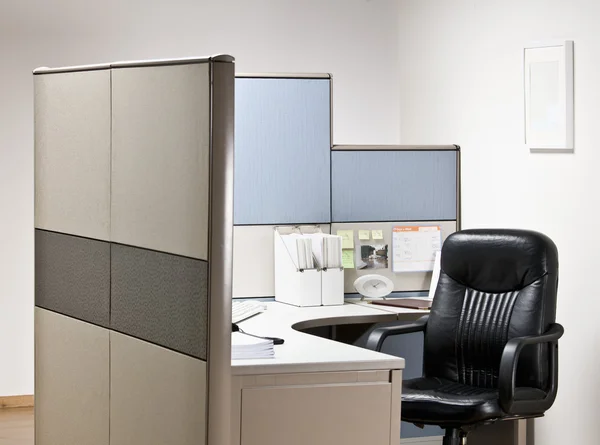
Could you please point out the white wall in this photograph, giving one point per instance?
(461, 82)
(356, 40)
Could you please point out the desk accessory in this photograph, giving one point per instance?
(276, 340)
(319, 284)
(241, 310)
(373, 286)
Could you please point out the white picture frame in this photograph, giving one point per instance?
(549, 90)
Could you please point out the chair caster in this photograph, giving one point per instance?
(455, 437)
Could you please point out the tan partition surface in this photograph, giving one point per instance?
(71, 381)
(158, 396)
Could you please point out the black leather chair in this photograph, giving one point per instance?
(491, 341)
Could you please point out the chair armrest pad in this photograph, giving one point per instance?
(378, 335)
(507, 375)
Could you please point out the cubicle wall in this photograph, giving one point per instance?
(287, 172)
(282, 168)
(379, 187)
(133, 252)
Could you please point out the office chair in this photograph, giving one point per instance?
(491, 343)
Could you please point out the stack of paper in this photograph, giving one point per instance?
(332, 249)
(300, 249)
(248, 347)
(327, 250)
(305, 253)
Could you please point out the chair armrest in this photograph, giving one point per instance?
(378, 335)
(508, 372)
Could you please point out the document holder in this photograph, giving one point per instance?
(317, 286)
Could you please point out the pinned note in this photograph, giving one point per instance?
(364, 235)
(348, 259)
(415, 247)
(347, 238)
(377, 234)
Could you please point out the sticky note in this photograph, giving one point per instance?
(364, 235)
(377, 234)
(348, 259)
(347, 238)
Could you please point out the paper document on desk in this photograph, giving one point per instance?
(248, 347)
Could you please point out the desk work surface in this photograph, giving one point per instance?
(404, 314)
(304, 352)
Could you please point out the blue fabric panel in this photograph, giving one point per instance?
(393, 186)
(282, 151)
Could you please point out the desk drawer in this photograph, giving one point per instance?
(352, 414)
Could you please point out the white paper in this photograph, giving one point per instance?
(248, 347)
(327, 249)
(414, 248)
(435, 277)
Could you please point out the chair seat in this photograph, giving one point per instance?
(430, 400)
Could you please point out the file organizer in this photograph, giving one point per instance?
(316, 286)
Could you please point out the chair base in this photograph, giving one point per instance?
(454, 436)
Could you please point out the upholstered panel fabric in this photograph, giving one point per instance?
(158, 396)
(282, 151)
(71, 381)
(160, 298)
(72, 276)
(393, 186)
(72, 153)
(160, 158)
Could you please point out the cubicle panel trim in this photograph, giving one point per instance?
(220, 252)
(395, 148)
(284, 75)
(458, 191)
(285, 224)
(388, 221)
(71, 69)
(135, 63)
(224, 58)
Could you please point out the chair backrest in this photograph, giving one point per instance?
(495, 284)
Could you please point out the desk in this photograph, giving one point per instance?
(308, 393)
(403, 314)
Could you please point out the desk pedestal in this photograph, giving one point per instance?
(351, 407)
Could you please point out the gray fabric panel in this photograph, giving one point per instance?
(72, 276)
(160, 298)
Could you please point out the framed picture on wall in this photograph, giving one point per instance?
(548, 84)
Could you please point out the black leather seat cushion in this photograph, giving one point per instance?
(431, 400)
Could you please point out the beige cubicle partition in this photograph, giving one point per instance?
(133, 252)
